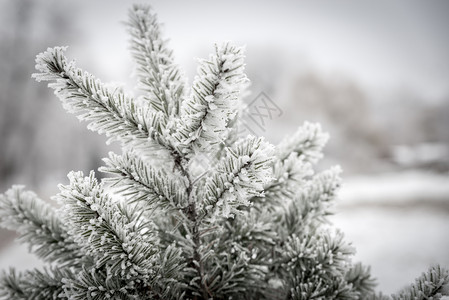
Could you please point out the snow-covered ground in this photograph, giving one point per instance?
(399, 224)
(399, 244)
(396, 189)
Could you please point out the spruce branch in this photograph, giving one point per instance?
(140, 182)
(307, 142)
(95, 284)
(11, 286)
(359, 276)
(327, 250)
(249, 231)
(289, 176)
(432, 284)
(110, 112)
(242, 173)
(34, 284)
(105, 229)
(99, 283)
(169, 280)
(321, 289)
(231, 275)
(378, 296)
(159, 77)
(315, 265)
(309, 207)
(251, 239)
(38, 226)
(293, 163)
(213, 101)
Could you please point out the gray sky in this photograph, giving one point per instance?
(382, 44)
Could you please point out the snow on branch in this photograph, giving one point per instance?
(38, 226)
(324, 186)
(110, 232)
(159, 77)
(329, 250)
(359, 276)
(432, 284)
(316, 265)
(34, 284)
(241, 174)
(307, 142)
(311, 204)
(290, 175)
(140, 182)
(292, 165)
(108, 112)
(231, 276)
(96, 284)
(213, 101)
(251, 240)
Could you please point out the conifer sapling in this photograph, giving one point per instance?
(251, 226)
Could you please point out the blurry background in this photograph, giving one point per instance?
(375, 74)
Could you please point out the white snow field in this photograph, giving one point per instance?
(399, 224)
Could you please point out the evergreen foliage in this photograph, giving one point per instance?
(253, 226)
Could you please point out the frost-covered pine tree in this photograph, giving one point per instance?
(252, 225)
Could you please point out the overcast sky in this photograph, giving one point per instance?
(385, 44)
(381, 44)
